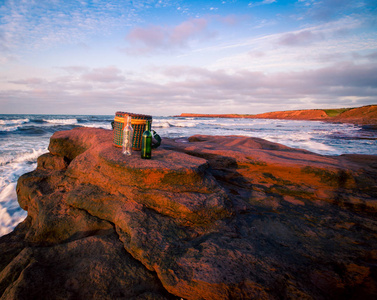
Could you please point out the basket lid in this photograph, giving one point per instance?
(122, 114)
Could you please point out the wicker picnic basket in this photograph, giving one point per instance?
(138, 123)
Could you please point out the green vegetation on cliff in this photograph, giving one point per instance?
(335, 112)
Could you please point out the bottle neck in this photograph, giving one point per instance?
(127, 122)
(149, 126)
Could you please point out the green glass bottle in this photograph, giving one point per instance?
(146, 142)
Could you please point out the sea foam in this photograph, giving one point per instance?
(14, 121)
(22, 157)
(11, 213)
(61, 121)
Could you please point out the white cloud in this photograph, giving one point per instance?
(295, 50)
(154, 39)
(258, 3)
(317, 62)
(85, 89)
(107, 74)
(45, 24)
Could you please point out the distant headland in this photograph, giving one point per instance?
(364, 115)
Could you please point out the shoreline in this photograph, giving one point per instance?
(364, 115)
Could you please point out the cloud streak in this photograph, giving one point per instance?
(343, 84)
(45, 24)
(105, 75)
(154, 39)
(263, 2)
(176, 55)
(304, 37)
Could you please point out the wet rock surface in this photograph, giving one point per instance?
(207, 218)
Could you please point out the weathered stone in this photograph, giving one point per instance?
(95, 267)
(206, 218)
(52, 162)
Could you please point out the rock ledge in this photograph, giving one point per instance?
(207, 218)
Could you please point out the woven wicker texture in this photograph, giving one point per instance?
(138, 123)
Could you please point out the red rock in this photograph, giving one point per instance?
(210, 218)
(365, 115)
(95, 267)
(359, 115)
(49, 161)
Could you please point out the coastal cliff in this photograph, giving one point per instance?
(365, 115)
(207, 217)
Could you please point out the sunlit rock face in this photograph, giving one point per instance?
(364, 115)
(206, 218)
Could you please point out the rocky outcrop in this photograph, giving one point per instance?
(207, 218)
(306, 114)
(365, 115)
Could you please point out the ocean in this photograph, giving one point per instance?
(25, 137)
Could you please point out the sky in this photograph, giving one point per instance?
(166, 57)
